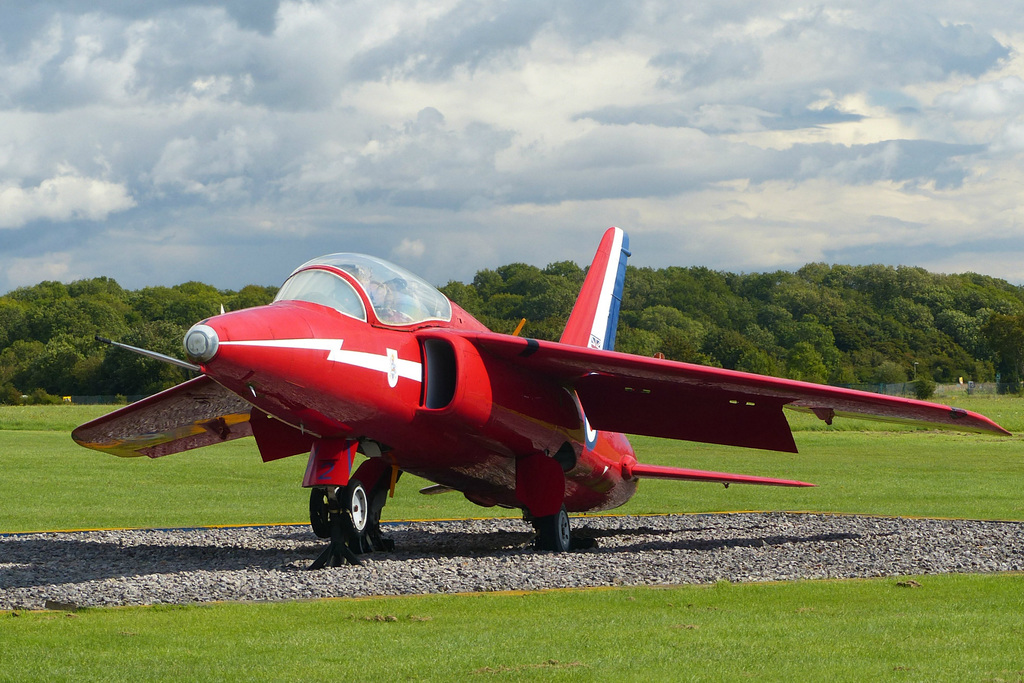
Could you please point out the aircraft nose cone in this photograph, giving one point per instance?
(201, 343)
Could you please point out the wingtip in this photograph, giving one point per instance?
(982, 423)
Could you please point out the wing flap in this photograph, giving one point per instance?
(196, 413)
(633, 394)
(672, 411)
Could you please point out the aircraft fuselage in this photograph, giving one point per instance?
(425, 400)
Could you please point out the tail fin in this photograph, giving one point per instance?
(595, 316)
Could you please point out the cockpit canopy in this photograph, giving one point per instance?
(397, 296)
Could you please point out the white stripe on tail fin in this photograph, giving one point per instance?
(595, 316)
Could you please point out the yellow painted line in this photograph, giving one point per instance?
(154, 528)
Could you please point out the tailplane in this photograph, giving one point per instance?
(595, 316)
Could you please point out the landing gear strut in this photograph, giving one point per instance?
(341, 511)
(350, 515)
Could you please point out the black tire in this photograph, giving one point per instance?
(554, 532)
(356, 517)
(318, 516)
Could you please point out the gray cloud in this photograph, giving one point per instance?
(272, 130)
(469, 35)
(719, 118)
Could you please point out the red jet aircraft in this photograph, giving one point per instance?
(356, 355)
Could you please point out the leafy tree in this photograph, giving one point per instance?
(924, 388)
(51, 369)
(250, 296)
(12, 322)
(464, 295)
(1004, 335)
(127, 373)
(192, 302)
(804, 362)
(843, 324)
(9, 396)
(639, 342)
(567, 271)
(16, 359)
(757, 361)
(888, 372)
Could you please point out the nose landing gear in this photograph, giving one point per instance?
(339, 513)
(350, 515)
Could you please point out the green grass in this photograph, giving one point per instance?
(59, 418)
(949, 628)
(59, 485)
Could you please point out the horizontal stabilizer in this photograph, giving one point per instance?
(660, 472)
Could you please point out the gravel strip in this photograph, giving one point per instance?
(178, 566)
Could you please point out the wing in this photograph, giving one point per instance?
(196, 413)
(636, 395)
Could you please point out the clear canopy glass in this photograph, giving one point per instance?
(397, 296)
(325, 288)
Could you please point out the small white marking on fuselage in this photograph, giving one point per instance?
(392, 368)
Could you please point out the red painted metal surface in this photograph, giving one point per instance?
(330, 462)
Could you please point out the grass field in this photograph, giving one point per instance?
(950, 628)
(59, 485)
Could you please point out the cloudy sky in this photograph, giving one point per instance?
(164, 141)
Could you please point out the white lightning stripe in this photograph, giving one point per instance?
(372, 361)
(360, 359)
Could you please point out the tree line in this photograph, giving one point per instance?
(834, 324)
(47, 335)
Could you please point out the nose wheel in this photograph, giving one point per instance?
(340, 513)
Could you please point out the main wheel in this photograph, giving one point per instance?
(554, 532)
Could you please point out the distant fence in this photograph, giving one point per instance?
(943, 390)
(109, 399)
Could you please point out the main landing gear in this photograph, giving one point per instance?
(540, 487)
(338, 513)
(555, 533)
(350, 517)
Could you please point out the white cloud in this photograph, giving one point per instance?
(62, 198)
(740, 136)
(987, 99)
(23, 272)
(409, 250)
